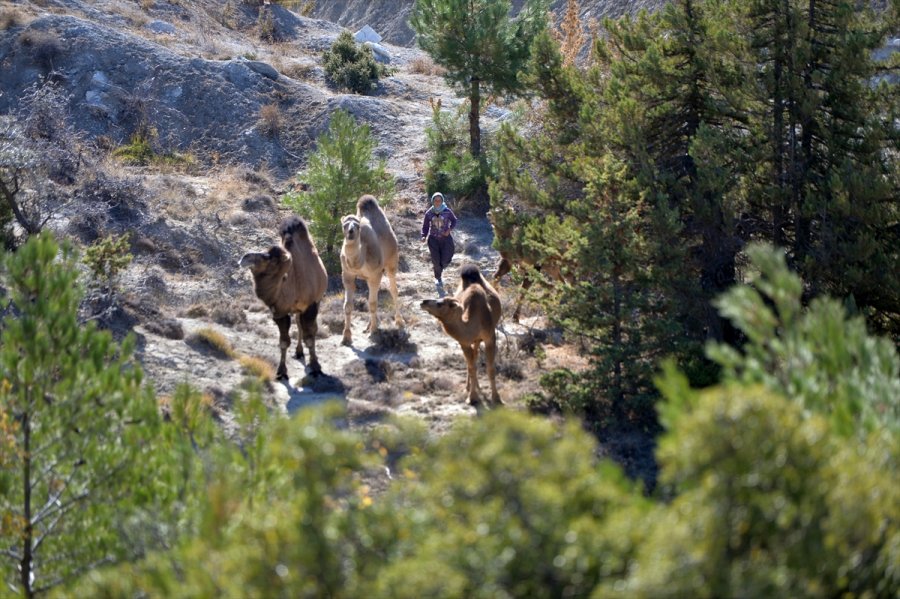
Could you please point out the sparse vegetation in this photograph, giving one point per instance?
(265, 24)
(270, 120)
(141, 151)
(9, 18)
(258, 367)
(424, 65)
(214, 341)
(106, 258)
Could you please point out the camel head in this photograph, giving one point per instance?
(350, 224)
(446, 309)
(275, 262)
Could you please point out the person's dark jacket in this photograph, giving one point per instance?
(439, 224)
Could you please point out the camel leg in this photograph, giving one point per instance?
(284, 342)
(349, 292)
(374, 286)
(471, 354)
(526, 283)
(308, 329)
(392, 280)
(502, 268)
(490, 354)
(298, 353)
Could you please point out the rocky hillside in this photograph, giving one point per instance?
(242, 107)
(390, 17)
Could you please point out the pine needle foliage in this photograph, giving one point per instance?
(340, 170)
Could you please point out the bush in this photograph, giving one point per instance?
(351, 66)
(270, 120)
(106, 258)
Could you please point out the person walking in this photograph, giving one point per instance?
(437, 227)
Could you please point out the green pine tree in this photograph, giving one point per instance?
(80, 475)
(829, 179)
(338, 172)
(676, 111)
(482, 48)
(617, 241)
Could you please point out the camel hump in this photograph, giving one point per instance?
(291, 226)
(366, 204)
(470, 274)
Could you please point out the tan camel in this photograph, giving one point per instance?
(470, 317)
(291, 279)
(369, 251)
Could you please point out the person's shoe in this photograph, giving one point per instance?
(439, 285)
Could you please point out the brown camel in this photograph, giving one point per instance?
(369, 251)
(518, 256)
(290, 279)
(470, 317)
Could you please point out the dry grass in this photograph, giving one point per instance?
(214, 341)
(270, 120)
(300, 71)
(258, 367)
(12, 17)
(424, 65)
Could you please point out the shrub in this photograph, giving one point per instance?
(214, 341)
(258, 367)
(106, 258)
(351, 66)
(141, 151)
(265, 24)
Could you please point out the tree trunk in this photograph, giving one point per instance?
(474, 110)
(25, 564)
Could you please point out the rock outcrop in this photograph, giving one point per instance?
(118, 83)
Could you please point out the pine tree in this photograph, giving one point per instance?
(481, 47)
(582, 207)
(339, 171)
(829, 181)
(676, 110)
(80, 429)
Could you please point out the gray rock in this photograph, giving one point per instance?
(263, 69)
(380, 52)
(162, 27)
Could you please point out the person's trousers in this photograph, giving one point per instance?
(442, 249)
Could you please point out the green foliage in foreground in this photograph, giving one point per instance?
(85, 478)
(766, 495)
(339, 171)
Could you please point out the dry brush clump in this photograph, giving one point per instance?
(260, 368)
(212, 341)
(424, 65)
(271, 120)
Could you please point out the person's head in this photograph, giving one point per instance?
(437, 198)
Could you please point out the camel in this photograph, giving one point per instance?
(369, 251)
(471, 316)
(291, 279)
(517, 255)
